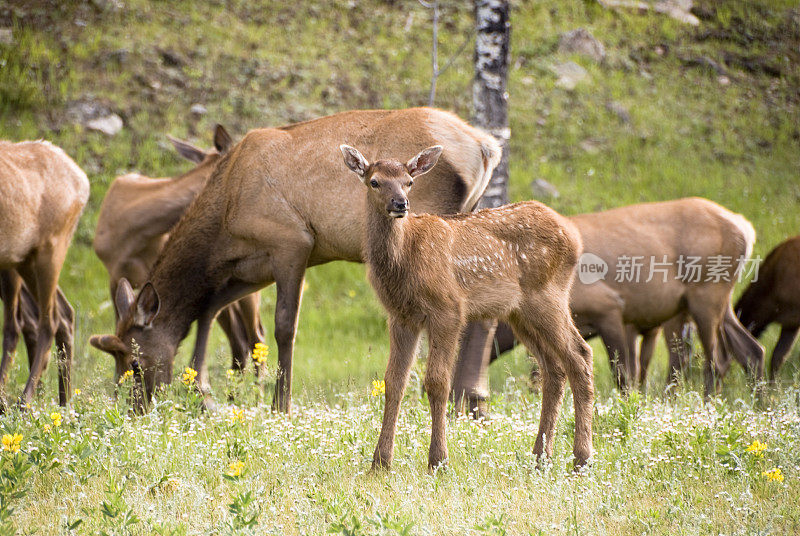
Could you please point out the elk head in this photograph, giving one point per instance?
(389, 180)
(136, 347)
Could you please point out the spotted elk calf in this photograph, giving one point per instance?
(436, 273)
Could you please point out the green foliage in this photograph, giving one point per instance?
(662, 465)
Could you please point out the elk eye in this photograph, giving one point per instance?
(410, 184)
(373, 183)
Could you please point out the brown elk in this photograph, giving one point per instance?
(669, 233)
(278, 202)
(774, 296)
(434, 273)
(42, 195)
(135, 219)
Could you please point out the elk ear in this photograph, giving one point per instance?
(108, 343)
(222, 140)
(424, 161)
(187, 150)
(147, 306)
(355, 160)
(124, 298)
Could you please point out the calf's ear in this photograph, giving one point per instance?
(424, 161)
(355, 160)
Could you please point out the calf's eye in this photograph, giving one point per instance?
(373, 183)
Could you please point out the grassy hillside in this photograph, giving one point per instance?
(656, 119)
(672, 111)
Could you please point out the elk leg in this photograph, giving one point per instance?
(65, 339)
(198, 361)
(289, 292)
(646, 351)
(708, 321)
(785, 342)
(250, 320)
(229, 322)
(677, 348)
(612, 330)
(10, 284)
(28, 313)
(471, 378)
(443, 342)
(403, 342)
(43, 277)
(742, 345)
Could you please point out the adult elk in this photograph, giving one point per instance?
(42, 195)
(278, 202)
(135, 219)
(667, 236)
(774, 296)
(435, 273)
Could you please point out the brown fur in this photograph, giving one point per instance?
(25, 321)
(42, 194)
(617, 311)
(135, 219)
(436, 273)
(775, 297)
(281, 201)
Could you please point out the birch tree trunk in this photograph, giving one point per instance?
(489, 93)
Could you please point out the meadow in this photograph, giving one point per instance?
(672, 111)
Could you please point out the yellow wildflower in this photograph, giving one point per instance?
(56, 418)
(351, 293)
(77, 392)
(237, 414)
(235, 468)
(378, 387)
(125, 375)
(757, 448)
(46, 428)
(188, 376)
(773, 475)
(260, 353)
(230, 373)
(12, 443)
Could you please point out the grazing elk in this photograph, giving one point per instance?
(279, 202)
(42, 195)
(135, 219)
(434, 273)
(774, 296)
(664, 237)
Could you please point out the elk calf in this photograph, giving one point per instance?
(436, 273)
(775, 297)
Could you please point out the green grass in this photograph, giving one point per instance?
(661, 466)
(267, 63)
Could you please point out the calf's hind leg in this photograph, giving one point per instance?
(563, 354)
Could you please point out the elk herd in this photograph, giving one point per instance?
(395, 189)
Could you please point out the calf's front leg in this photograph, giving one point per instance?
(403, 341)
